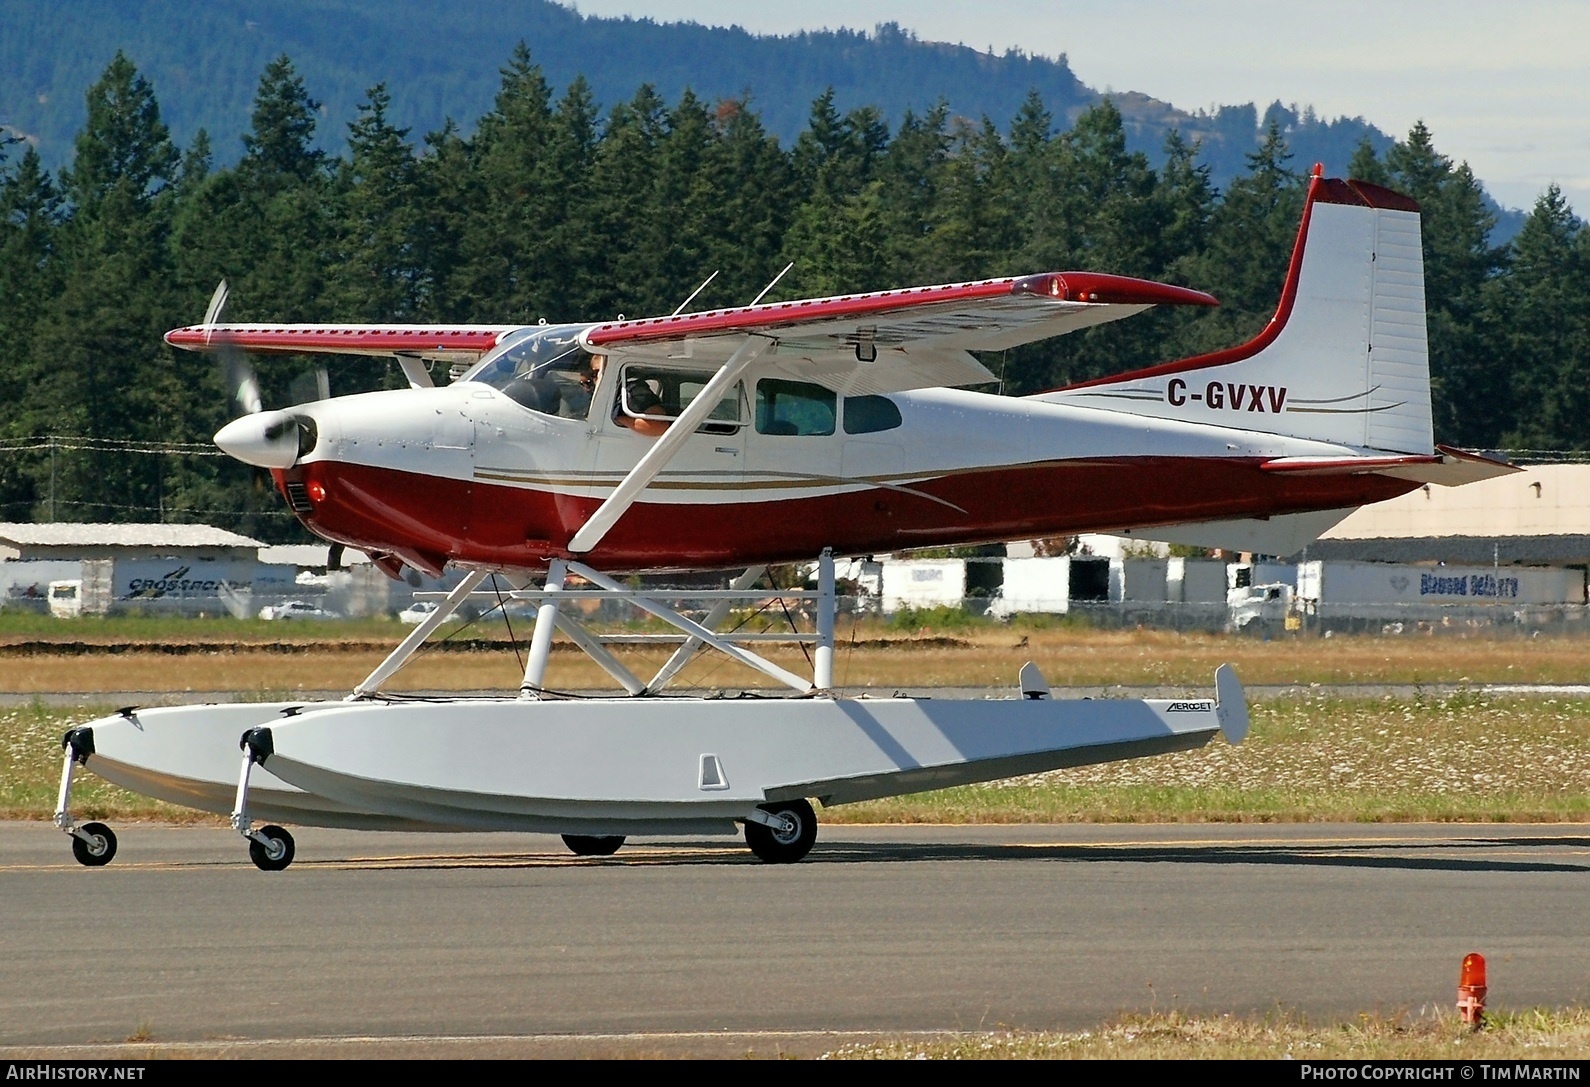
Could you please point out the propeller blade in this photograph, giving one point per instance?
(237, 373)
(212, 312)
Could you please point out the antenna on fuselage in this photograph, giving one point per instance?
(695, 292)
(773, 284)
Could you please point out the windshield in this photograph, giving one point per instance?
(543, 369)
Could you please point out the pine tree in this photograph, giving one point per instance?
(623, 201)
(975, 223)
(911, 177)
(1366, 165)
(1471, 397)
(752, 207)
(279, 149)
(29, 274)
(102, 368)
(1100, 209)
(1251, 235)
(378, 276)
(1541, 315)
(507, 224)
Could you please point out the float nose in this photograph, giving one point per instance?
(268, 439)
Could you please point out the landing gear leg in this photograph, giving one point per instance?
(270, 847)
(93, 844)
(782, 833)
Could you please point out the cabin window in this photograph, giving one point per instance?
(870, 414)
(655, 396)
(794, 407)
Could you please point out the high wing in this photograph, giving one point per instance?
(885, 342)
(448, 343)
(888, 341)
(411, 345)
(891, 341)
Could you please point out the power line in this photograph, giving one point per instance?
(29, 503)
(71, 442)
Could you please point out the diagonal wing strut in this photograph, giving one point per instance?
(658, 456)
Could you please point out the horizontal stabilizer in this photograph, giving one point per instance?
(1285, 534)
(1448, 467)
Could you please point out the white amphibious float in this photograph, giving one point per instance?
(599, 769)
(770, 433)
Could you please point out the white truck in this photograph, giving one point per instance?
(1256, 594)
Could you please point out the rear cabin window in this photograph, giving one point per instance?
(870, 414)
(794, 407)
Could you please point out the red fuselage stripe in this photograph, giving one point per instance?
(521, 528)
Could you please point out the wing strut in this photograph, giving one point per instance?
(658, 456)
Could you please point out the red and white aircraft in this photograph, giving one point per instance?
(828, 422)
(776, 433)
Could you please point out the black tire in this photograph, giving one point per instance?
(278, 856)
(784, 846)
(593, 845)
(96, 853)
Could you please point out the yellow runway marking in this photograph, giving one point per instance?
(1454, 847)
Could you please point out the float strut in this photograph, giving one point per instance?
(400, 656)
(535, 667)
(823, 665)
(720, 611)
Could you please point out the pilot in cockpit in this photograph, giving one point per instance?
(577, 395)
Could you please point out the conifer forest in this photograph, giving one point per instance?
(554, 206)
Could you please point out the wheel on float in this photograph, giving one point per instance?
(593, 845)
(98, 849)
(275, 856)
(786, 844)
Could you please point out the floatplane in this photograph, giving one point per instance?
(565, 457)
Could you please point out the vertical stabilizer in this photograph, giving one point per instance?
(1345, 358)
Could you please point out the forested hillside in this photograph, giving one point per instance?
(552, 207)
(441, 60)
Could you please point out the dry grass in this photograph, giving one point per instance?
(1533, 1035)
(985, 656)
(1462, 757)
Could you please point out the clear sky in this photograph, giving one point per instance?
(1502, 84)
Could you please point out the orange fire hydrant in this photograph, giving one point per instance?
(1471, 990)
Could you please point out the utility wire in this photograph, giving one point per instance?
(107, 445)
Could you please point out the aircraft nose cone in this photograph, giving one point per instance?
(268, 439)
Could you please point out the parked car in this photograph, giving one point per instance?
(296, 609)
(421, 610)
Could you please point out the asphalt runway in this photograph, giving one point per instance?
(403, 945)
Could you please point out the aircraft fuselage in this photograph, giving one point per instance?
(466, 474)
